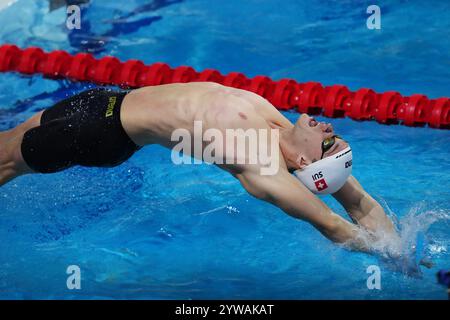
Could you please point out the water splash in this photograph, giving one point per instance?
(415, 245)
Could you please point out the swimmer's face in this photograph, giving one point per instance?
(309, 135)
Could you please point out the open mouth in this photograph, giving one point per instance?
(313, 122)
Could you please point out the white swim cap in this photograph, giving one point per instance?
(327, 175)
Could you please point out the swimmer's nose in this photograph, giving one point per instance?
(326, 127)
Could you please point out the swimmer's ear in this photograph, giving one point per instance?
(301, 162)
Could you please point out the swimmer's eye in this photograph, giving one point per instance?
(328, 143)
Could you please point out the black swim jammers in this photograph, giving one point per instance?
(82, 130)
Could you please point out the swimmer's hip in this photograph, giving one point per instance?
(82, 130)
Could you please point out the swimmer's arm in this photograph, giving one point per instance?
(287, 193)
(362, 208)
(367, 212)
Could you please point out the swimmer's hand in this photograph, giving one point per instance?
(426, 263)
(398, 255)
(407, 265)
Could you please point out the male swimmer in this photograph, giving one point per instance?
(104, 128)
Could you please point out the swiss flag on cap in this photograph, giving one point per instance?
(321, 184)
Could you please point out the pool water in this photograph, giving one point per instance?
(151, 230)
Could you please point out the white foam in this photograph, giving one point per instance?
(414, 244)
(6, 3)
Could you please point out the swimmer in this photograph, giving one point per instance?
(102, 128)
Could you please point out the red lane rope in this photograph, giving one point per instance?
(311, 97)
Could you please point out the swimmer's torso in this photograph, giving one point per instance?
(150, 115)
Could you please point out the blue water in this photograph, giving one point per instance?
(149, 230)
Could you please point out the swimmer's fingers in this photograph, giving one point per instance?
(426, 263)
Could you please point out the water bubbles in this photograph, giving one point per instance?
(232, 210)
(414, 245)
(164, 233)
(437, 249)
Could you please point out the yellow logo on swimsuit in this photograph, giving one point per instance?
(110, 108)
